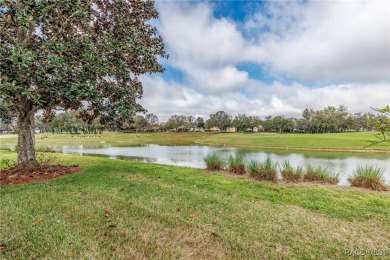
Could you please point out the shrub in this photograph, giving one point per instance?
(320, 174)
(213, 162)
(47, 158)
(236, 164)
(289, 173)
(255, 169)
(269, 172)
(368, 177)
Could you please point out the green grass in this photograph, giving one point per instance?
(169, 138)
(236, 164)
(370, 177)
(355, 141)
(213, 162)
(157, 211)
(320, 174)
(338, 141)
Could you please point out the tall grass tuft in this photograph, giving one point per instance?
(269, 172)
(236, 164)
(370, 177)
(213, 162)
(320, 174)
(255, 169)
(290, 174)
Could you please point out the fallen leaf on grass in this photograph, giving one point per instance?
(3, 246)
(38, 220)
(107, 214)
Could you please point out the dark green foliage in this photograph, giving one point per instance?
(220, 119)
(70, 54)
(81, 53)
(382, 124)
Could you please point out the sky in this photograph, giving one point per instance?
(270, 57)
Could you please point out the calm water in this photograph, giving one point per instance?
(192, 156)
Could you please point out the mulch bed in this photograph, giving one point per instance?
(20, 175)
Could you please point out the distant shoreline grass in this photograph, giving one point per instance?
(124, 209)
(337, 142)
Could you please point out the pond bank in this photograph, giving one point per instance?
(120, 208)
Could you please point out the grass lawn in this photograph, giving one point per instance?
(113, 137)
(129, 210)
(337, 141)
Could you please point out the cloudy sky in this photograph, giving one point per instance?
(270, 58)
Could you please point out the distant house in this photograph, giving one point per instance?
(214, 129)
(231, 129)
(196, 129)
(258, 128)
(155, 128)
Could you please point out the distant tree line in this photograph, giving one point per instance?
(327, 120)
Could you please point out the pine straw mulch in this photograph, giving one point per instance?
(23, 174)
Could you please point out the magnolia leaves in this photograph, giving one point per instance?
(72, 52)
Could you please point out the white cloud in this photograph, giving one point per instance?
(205, 48)
(347, 42)
(327, 40)
(165, 99)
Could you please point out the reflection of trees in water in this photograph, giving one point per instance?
(192, 156)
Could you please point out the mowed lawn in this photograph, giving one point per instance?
(130, 210)
(163, 138)
(356, 141)
(337, 141)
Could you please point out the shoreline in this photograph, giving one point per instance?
(298, 148)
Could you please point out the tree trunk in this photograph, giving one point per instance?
(26, 139)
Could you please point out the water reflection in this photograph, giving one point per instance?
(192, 156)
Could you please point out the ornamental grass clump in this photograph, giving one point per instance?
(255, 169)
(369, 177)
(236, 164)
(213, 162)
(269, 172)
(290, 174)
(319, 174)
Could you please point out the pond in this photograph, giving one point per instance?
(192, 156)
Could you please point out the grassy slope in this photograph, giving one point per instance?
(113, 137)
(341, 141)
(175, 212)
(347, 141)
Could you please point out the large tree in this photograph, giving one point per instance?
(68, 54)
(220, 119)
(382, 124)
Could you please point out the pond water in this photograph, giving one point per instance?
(192, 156)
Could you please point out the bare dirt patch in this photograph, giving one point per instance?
(20, 175)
